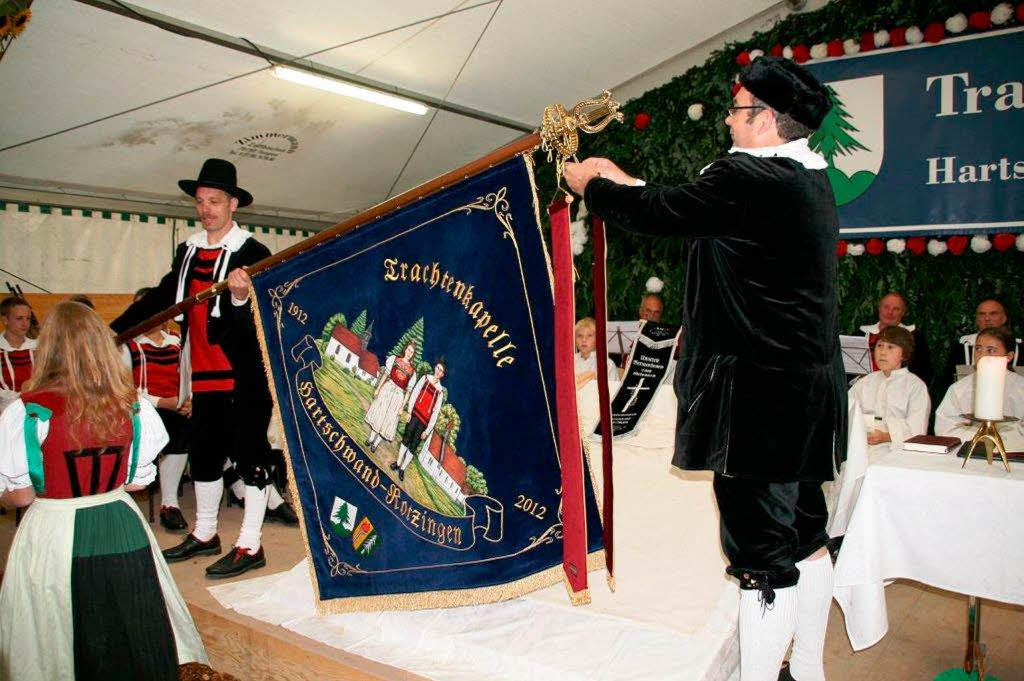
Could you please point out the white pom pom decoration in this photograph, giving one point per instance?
(980, 243)
(881, 38)
(819, 51)
(914, 35)
(896, 246)
(787, 52)
(695, 112)
(654, 285)
(754, 54)
(957, 23)
(855, 249)
(936, 247)
(1020, 241)
(577, 236)
(1002, 13)
(851, 46)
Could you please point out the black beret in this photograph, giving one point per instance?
(788, 88)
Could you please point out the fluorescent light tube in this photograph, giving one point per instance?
(341, 88)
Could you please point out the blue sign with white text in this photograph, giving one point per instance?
(927, 139)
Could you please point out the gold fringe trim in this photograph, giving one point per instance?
(293, 489)
(581, 597)
(611, 582)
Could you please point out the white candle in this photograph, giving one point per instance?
(989, 383)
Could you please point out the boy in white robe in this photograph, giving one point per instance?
(586, 357)
(895, 402)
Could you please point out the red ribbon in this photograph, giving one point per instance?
(570, 452)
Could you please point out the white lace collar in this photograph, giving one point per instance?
(231, 242)
(798, 150)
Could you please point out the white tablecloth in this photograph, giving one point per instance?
(922, 517)
(672, 616)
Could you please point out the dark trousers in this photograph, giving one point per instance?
(767, 527)
(224, 427)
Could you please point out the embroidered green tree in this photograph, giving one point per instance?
(359, 325)
(476, 480)
(449, 422)
(833, 135)
(413, 333)
(332, 321)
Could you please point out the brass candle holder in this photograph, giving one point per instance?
(988, 435)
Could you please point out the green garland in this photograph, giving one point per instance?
(942, 291)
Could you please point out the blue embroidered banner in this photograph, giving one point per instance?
(927, 139)
(412, 364)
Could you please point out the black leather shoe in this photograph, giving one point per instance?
(283, 514)
(236, 562)
(393, 466)
(784, 674)
(172, 519)
(192, 547)
(401, 474)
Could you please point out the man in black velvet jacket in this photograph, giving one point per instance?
(762, 400)
(231, 402)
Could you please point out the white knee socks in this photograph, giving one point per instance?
(274, 498)
(171, 467)
(765, 633)
(207, 504)
(252, 518)
(814, 597)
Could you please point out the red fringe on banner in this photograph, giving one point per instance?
(570, 452)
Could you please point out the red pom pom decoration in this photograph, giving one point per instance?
(898, 37)
(841, 246)
(1004, 242)
(934, 32)
(735, 88)
(867, 41)
(802, 53)
(776, 50)
(874, 246)
(743, 58)
(917, 245)
(956, 244)
(835, 48)
(980, 21)
(641, 121)
(1020, 12)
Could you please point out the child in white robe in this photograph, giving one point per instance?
(994, 342)
(895, 402)
(586, 357)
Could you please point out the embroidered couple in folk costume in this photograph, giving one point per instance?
(425, 396)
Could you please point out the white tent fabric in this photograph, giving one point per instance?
(87, 252)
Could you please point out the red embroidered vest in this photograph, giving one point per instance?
(401, 372)
(20, 361)
(425, 401)
(83, 466)
(211, 369)
(160, 366)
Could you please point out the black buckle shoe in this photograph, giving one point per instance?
(192, 547)
(283, 514)
(236, 562)
(172, 520)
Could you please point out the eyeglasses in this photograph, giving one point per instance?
(734, 109)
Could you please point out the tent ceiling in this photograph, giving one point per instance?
(99, 103)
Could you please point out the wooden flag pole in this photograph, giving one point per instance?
(557, 135)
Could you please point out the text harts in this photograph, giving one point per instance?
(433, 277)
(957, 97)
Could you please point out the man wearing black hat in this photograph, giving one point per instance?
(231, 403)
(762, 401)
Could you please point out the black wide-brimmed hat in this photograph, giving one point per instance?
(788, 88)
(219, 174)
